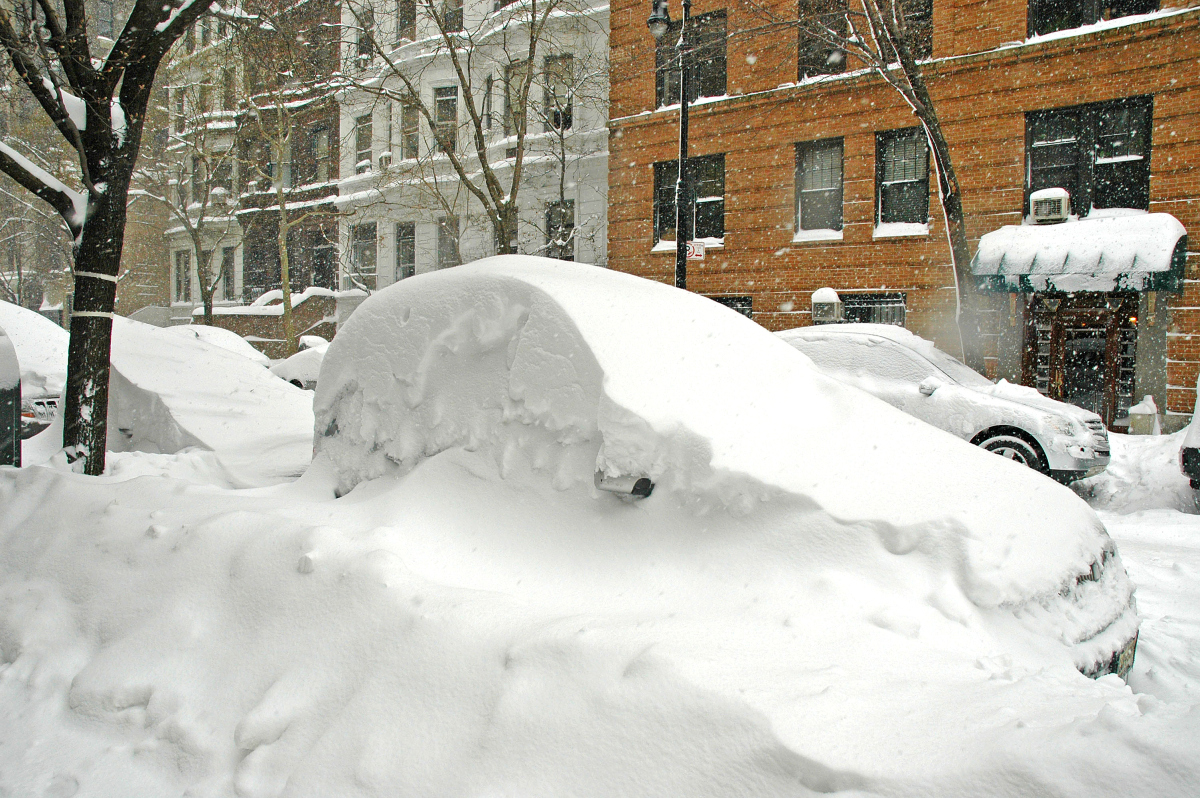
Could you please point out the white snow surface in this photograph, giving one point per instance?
(470, 623)
(41, 350)
(304, 366)
(225, 339)
(1142, 475)
(169, 392)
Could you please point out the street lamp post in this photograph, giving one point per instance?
(659, 23)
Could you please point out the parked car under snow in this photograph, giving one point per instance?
(913, 375)
(533, 375)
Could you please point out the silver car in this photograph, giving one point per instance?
(913, 375)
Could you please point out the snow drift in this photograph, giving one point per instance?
(41, 350)
(603, 371)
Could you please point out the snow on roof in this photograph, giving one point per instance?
(587, 369)
(1104, 252)
(41, 350)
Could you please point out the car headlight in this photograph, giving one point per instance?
(1063, 426)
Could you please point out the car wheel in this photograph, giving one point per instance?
(1014, 448)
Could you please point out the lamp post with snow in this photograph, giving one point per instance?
(659, 24)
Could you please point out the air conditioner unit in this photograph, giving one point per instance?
(385, 160)
(1049, 206)
(827, 307)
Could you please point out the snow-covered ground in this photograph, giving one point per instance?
(473, 618)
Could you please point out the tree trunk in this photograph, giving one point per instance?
(506, 230)
(85, 415)
(285, 283)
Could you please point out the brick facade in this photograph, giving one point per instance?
(984, 78)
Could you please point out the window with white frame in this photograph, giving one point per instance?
(406, 250)
(363, 133)
(707, 177)
(228, 276)
(447, 242)
(183, 276)
(410, 137)
(1048, 16)
(363, 254)
(445, 117)
(560, 230)
(558, 91)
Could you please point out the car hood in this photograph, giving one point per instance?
(1029, 397)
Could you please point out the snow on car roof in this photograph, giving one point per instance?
(41, 350)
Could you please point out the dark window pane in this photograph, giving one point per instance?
(742, 304)
(447, 242)
(902, 176)
(879, 308)
(228, 274)
(560, 230)
(918, 17)
(816, 55)
(707, 176)
(406, 20)
(363, 255)
(707, 60)
(557, 93)
(1047, 16)
(406, 249)
(1122, 171)
(446, 117)
(363, 133)
(819, 185)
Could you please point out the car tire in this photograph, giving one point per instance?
(1017, 449)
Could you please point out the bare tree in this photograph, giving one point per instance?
(98, 105)
(891, 38)
(193, 176)
(499, 65)
(288, 74)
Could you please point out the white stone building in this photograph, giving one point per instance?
(408, 100)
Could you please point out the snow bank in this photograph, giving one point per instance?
(1142, 475)
(41, 350)
(170, 391)
(304, 366)
(595, 370)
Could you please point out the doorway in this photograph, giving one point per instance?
(1081, 350)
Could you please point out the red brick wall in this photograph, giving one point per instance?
(308, 318)
(981, 99)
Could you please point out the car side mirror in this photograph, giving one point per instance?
(929, 385)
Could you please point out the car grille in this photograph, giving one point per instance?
(1099, 435)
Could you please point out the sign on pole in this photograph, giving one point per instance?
(695, 250)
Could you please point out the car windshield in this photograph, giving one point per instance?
(957, 370)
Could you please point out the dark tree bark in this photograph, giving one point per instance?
(52, 57)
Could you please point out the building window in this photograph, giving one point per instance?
(447, 242)
(104, 18)
(487, 103)
(406, 250)
(199, 184)
(180, 111)
(189, 40)
(228, 89)
(819, 185)
(560, 230)
(318, 155)
(363, 133)
(707, 76)
(817, 56)
(880, 308)
(558, 91)
(1047, 16)
(452, 16)
(183, 276)
(409, 132)
(707, 176)
(902, 177)
(1100, 153)
(362, 256)
(516, 83)
(918, 18)
(228, 278)
(406, 20)
(366, 35)
(222, 177)
(445, 116)
(742, 304)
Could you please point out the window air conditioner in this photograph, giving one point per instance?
(385, 160)
(1050, 205)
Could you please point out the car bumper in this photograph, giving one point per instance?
(1068, 467)
(1189, 462)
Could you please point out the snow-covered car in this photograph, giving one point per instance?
(302, 368)
(37, 414)
(528, 381)
(911, 374)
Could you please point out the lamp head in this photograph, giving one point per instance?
(660, 19)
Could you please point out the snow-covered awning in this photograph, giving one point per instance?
(1134, 251)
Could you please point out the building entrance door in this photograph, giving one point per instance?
(1081, 351)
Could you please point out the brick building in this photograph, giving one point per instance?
(805, 180)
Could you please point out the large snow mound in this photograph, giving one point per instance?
(41, 350)
(169, 392)
(1142, 475)
(226, 339)
(598, 370)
